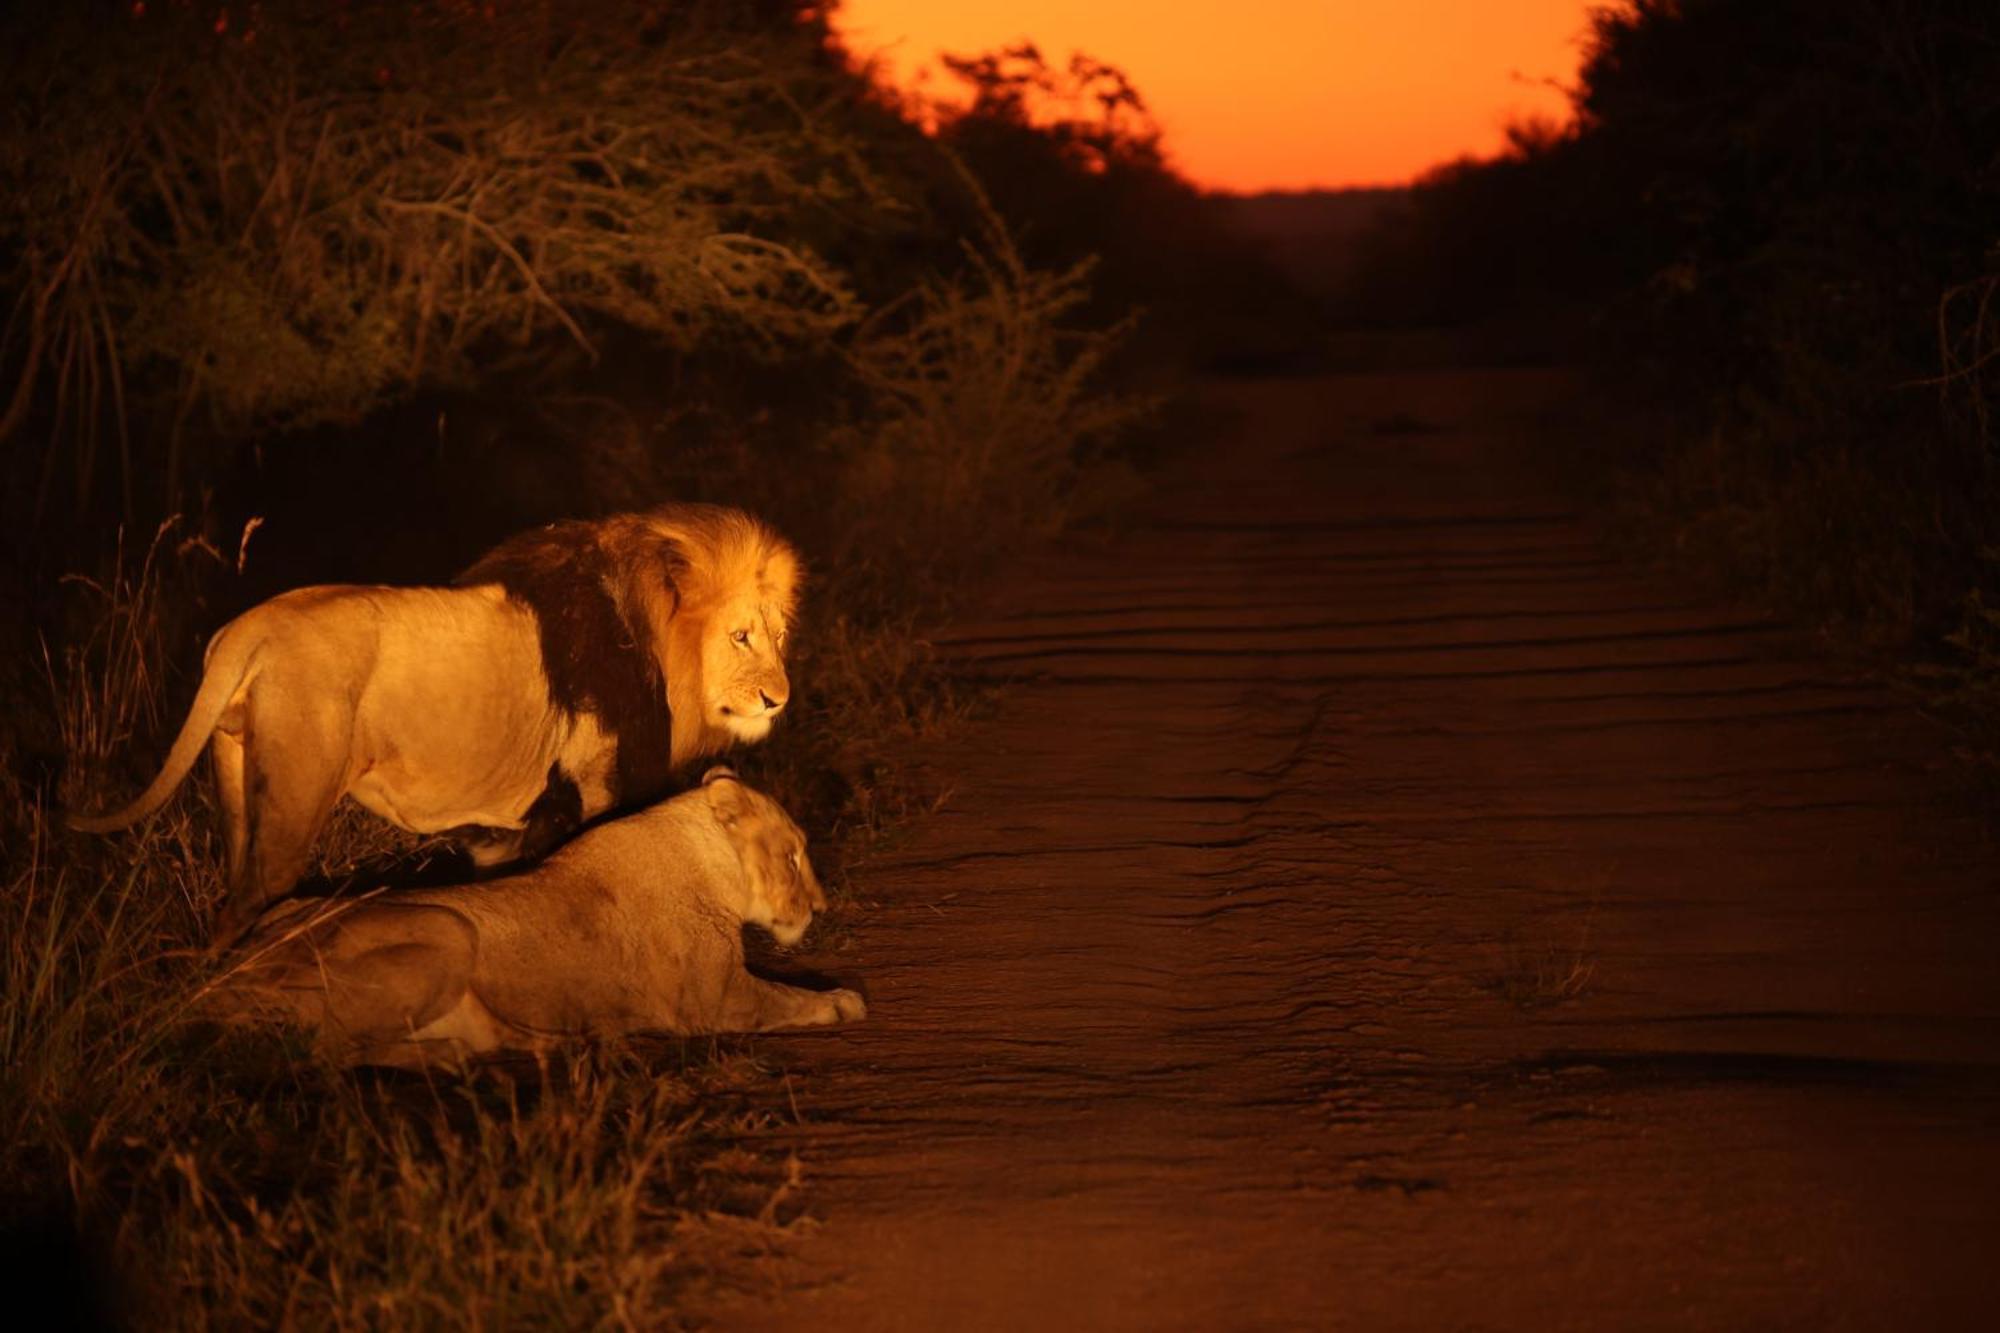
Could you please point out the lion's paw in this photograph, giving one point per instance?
(848, 1006)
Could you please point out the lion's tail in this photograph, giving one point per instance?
(228, 663)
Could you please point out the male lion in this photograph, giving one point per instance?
(573, 669)
(636, 926)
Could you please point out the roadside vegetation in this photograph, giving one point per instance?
(302, 291)
(1771, 229)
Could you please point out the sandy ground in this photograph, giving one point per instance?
(1374, 906)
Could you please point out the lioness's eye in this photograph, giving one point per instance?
(742, 636)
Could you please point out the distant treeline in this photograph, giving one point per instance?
(1779, 221)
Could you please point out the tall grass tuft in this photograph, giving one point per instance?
(986, 426)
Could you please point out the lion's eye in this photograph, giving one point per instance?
(742, 637)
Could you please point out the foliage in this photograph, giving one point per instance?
(213, 230)
(983, 423)
(1087, 113)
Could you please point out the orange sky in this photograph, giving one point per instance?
(1276, 94)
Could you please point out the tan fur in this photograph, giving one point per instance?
(431, 707)
(633, 927)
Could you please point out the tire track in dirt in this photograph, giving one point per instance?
(1373, 906)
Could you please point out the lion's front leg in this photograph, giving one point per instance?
(757, 1005)
(555, 815)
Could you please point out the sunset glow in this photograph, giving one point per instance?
(1274, 94)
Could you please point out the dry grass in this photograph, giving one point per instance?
(1556, 969)
(231, 1182)
(987, 424)
(571, 1199)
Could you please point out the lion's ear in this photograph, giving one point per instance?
(726, 797)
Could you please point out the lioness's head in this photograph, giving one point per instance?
(784, 892)
(732, 590)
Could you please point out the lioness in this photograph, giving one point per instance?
(635, 926)
(574, 668)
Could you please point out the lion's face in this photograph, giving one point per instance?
(743, 667)
(784, 892)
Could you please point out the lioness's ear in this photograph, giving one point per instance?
(726, 797)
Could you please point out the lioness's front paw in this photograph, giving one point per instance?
(848, 1006)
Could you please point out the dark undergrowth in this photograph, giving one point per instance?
(1770, 230)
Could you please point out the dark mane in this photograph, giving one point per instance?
(596, 661)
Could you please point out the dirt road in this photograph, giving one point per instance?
(1376, 907)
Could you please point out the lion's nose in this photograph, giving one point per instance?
(770, 705)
